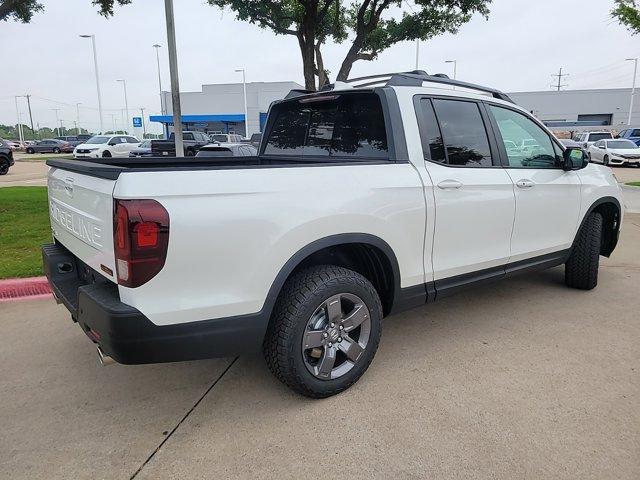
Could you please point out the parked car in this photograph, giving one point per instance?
(143, 150)
(227, 150)
(567, 142)
(106, 146)
(586, 139)
(346, 216)
(226, 137)
(6, 157)
(255, 140)
(192, 142)
(50, 145)
(14, 145)
(71, 139)
(632, 134)
(615, 152)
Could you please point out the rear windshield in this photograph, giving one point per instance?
(219, 138)
(621, 144)
(594, 137)
(330, 126)
(214, 152)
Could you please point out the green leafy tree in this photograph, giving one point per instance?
(628, 14)
(19, 10)
(369, 25)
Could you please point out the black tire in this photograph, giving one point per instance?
(189, 153)
(4, 166)
(296, 304)
(30, 150)
(106, 154)
(605, 161)
(581, 270)
(56, 150)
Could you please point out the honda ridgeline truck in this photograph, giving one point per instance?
(369, 198)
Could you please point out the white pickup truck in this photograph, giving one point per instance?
(371, 197)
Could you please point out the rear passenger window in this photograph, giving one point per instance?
(453, 133)
(333, 126)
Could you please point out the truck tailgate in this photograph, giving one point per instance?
(81, 210)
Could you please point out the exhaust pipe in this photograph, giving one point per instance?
(104, 359)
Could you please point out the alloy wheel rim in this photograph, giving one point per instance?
(336, 336)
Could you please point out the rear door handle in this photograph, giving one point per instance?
(449, 185)
(525, 183)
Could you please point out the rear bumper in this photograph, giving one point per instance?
(129, 337)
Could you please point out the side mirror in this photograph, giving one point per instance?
(574, 158)
(113, 143)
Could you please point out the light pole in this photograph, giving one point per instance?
(246, 113)
(95, 66)
(455, 67)
(175, 83)
(126, 104)
(633, 86)
(78, 116)
(57, 120)
(113, 119)
(157, 47)
(144, 128)
(18, 125)
(417, 51)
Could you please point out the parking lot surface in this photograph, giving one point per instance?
(25, 174)
(524, 378)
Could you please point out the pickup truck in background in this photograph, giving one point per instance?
(193, 141)
(364, 200)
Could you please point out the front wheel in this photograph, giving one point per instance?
(106, 154)
(324, 331)
(581, 270)
(605, 162)
(4, 166)
(56, 150)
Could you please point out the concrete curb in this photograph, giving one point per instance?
(14, 289)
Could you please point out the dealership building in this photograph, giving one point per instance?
(219, 108)
(577, 110)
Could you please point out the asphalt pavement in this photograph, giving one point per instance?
(521, 379)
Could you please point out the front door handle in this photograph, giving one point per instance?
(449, 184)
(525, 183)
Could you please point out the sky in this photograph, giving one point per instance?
(518, 48)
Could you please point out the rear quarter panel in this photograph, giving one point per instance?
(231, 231)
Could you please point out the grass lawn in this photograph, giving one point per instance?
(24, 227)
(634, 184)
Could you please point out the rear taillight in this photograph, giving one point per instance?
(140, 239)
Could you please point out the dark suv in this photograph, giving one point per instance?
(6, 157)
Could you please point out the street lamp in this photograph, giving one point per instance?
(126, 104)
(455, 67)
(57, 120)
(158, 47)
(173, 73)
(633, 86)
(244, 89)
(19, 124)
(95, 66)
(78, 117)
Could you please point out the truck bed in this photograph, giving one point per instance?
(111, 168)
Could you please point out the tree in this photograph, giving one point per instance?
(628, 14)
(368, 24)
(19, 10)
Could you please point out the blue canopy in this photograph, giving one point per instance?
(223, 117)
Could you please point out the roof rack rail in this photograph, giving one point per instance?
(416, 79)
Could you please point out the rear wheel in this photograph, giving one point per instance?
(106, 154)
(581, 270)
(189, 153)
(4, 166)
(30, 150)
(324, 332)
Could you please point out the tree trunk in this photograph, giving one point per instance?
(322, 74)
(349, 60)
